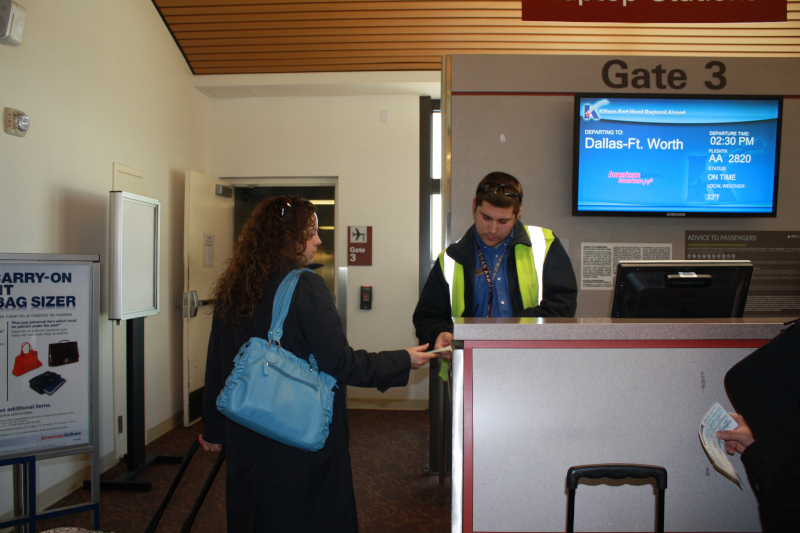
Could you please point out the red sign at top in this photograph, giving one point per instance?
(655, 11)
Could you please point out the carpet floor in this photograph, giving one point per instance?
(389, 452)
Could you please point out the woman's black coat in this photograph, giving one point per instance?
(271, 486)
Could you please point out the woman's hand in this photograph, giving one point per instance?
(209, 446)
(736, 440)
(418, 355)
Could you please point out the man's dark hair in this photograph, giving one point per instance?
(501, 190)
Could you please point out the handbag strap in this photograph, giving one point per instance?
(280, 306)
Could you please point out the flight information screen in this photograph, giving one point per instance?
(681, 156)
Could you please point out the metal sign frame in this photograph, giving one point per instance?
(53, 296)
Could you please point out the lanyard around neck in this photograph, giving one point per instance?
(489, 277)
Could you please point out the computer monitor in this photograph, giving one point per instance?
(681, 289)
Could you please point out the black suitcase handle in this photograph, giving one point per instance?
(615, 471)
(187, 524)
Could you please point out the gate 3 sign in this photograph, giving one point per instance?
(359, 246)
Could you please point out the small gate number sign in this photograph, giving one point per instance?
(359, 246)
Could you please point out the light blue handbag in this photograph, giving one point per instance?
(275, 393)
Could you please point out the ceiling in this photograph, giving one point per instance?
(285, 36)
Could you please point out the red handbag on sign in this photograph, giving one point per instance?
(25, 362)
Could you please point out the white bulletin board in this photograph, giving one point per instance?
(135, 237)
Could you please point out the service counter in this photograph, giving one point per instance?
(533, 397)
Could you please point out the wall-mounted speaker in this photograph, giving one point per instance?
(12, 22)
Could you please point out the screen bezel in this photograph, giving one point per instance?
(576, 122)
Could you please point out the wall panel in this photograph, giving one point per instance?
(529, 100)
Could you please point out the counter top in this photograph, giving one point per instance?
(523, 329)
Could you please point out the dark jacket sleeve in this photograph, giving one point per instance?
(432, 314)
(560, 293)
(773, 468)
(216, 375)
(323, 335)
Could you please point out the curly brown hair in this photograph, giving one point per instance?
(272, 240)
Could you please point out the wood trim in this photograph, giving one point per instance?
(266, 36)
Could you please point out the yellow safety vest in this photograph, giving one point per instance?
(530, 266)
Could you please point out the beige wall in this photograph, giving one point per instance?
(102, 82)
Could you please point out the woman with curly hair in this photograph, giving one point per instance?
(272, 487)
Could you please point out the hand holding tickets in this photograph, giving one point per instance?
(442, 349)
(419, 356)
(718, 419)
(446, 353)
(444, 344)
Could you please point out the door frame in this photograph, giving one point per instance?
(200, 279)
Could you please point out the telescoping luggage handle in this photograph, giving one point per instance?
(615, 471)
(187, 524)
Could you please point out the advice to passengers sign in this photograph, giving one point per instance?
(655, 11)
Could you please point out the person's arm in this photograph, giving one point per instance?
(322, 333)
(432, 314)
(737, 440)
(560, 292)
(772, 463)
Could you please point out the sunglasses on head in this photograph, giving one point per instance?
(282, 203)
(497, 188)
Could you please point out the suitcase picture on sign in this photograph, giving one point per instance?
(26, 361)
(63, 353)
(47, 383)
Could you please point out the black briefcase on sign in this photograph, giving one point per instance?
(63, 353)
(47, 383)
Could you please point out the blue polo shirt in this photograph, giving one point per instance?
(501, 306)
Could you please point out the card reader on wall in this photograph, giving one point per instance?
(366, 297)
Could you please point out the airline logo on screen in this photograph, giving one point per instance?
(590, 110)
